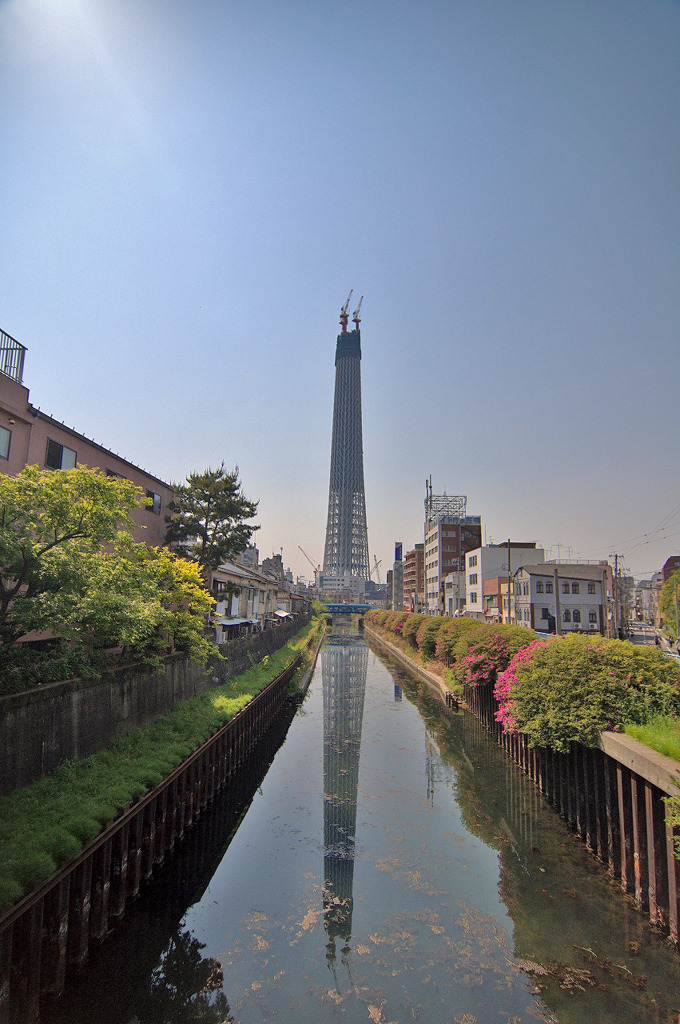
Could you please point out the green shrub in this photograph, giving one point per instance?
(482, 654)
(451, 632)
(409, 630)
(574, 687)
(426, 637)
(397, 622)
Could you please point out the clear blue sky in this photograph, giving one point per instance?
(190, 189)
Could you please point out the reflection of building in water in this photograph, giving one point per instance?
(436, 769)
(344, 662)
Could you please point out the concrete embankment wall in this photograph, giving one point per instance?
(42, 727)
(612, 797)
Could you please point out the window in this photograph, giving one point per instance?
(5, 438)
(592, 617)
(567, 615)
(58, 456)
(574, 588)
(565, 588)
(525, 589)
(576, 615)
(472, 561)
(473, 597)
(112, 472)
(539, 587)
(545, 613)
(472, 578)
(548, 587)
(591, 588)
(156, 499)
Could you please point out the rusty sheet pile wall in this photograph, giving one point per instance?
(614, 799)
(50, 930)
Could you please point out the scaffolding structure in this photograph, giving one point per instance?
(439, 507)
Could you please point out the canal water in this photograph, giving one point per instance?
(392, 865)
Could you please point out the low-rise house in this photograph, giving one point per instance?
(563, 598)
(246, 600)
(249, 599)
(497, 608)
(454, 593)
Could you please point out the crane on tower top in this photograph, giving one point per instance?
(355, 315)
(344, 317)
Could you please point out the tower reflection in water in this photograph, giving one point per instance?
(344, 663)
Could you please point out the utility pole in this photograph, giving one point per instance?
(617, 597)
(509, 580)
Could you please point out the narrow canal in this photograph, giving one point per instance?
(392, 866)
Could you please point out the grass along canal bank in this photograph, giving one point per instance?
(46, 825)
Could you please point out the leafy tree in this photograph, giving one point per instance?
(45, 518)
(208, 516)
(72, 578)
(668, 602)
(185, 987)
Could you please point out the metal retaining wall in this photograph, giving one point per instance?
(50, 930)
(612, 800)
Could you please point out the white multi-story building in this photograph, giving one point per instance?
(446, 543)
(487, 570)
(342, 588)
(564, 598)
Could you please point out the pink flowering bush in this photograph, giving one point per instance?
(410, 628)
(453, 631)
(484, 653)
(377, 618)
(427, 635)
(576, 686)
(397, 623)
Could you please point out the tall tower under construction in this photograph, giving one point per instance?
(346, 551)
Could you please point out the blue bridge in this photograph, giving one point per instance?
(347, 609)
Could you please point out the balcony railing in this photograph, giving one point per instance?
(11, 357)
